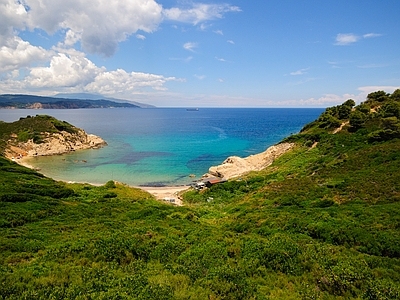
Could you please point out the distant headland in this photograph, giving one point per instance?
(65, 101)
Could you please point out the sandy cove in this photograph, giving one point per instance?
(57, 143)
(161, 193)
(232, 167)
(166, 192)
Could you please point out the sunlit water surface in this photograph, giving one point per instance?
(163, 146)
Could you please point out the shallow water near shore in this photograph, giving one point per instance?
(164, 146)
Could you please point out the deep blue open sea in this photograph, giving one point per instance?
(163, 146)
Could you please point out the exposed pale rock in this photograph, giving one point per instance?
(56, 143)
(235, 166)
(36, 105)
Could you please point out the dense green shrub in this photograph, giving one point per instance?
(378, 96)
(110, 195)
(17, 197)
(24, 136)
(383, 135)
(364, 108)
(382, 289)
(395, 95)
(357, 119)
(390, 109)
(328, 121)
(110, 184)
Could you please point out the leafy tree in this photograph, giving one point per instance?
(357, 119)
(379, 96)
(391, 123)
(344, 111)
(351, 103)
(390, 109)
(364, 108)
(395, 95)
(328, 119)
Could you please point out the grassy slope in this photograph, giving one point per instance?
(320, 223)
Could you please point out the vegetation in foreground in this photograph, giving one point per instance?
(321, 223)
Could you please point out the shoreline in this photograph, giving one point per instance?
(165, 193)
(232, 167)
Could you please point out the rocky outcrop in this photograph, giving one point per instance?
(235, 166)
(53, 144)
(36, 105)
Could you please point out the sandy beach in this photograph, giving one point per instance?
(232, 167)
(166, 192)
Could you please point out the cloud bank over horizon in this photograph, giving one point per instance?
(98, 27)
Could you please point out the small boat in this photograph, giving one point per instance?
(192, 109)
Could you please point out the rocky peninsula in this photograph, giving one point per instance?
(235, 166)
(54, 144)
(49, 137)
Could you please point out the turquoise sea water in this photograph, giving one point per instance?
(163, 146)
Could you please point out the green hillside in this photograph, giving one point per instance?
(322, 222)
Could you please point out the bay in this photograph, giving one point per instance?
(163, 146)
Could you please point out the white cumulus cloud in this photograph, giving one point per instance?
(97, 27)
(12, 15)
(69, 70)
(99, 24)
(131, 82)
(65, 70)
(16, 54)
(71, 38)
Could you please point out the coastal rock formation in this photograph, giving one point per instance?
(53, 144)
(235, 166)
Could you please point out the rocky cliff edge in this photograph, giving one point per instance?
(235, 166)
(53, 144)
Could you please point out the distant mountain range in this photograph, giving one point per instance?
(66, 101)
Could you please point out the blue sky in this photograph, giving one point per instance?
(267, 53)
